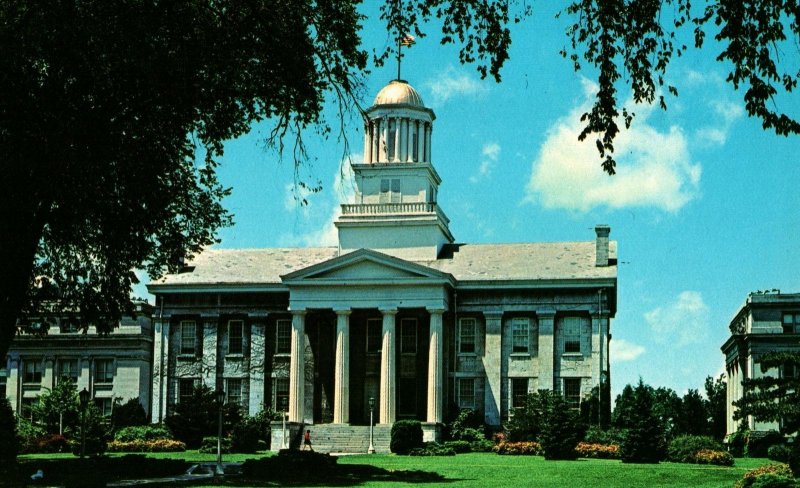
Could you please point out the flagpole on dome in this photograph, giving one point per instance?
(406, 40)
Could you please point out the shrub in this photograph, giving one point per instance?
(769, 470)
(526, 448)
(758, 445)
(526, 422)
(209, 445)
(644, 441)
(50, 443)
(467, 426)
(158, 445)
(8, 433)
(142, 433)
(252, 433)
(459, 447)
(597, 451)
(128, 414)
(484, 445)
(738, 440)
(406, 435)
(94, 432)
(794, 457)
(561, 429)
(774, 481)
(27, 434)
(779, 452)
(291, 466)
(433, 449)
(612, 435)
(710, 456)
(683, 449)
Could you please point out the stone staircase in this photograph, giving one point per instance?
(348, 438)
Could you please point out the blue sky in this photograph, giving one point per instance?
(705, 205)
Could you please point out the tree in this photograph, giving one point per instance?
(693, 418)
(527, 422)
(716, 399)
(58, 408)
(561, 429)
(775, 398)
(130, 413)
(596, 410)
(198, 416)
(8, 435)
(107, 106)
(644, 441)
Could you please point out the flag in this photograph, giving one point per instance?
(408, 40)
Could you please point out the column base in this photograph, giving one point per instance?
(432, 431)
(292, 438)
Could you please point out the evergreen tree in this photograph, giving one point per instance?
(8, 434)
(644, 441)
(58, 409)
(693, 419)
(561, 429)
(716, 399)
(526, 423)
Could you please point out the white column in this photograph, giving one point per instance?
(341, 374)
(367, 145)
(546, 344)
(410, 140)
(160, 361)
(396, 157)
(385, 139)
(12, 382)
(48, 373)
(257, 358)
(387, 395)
(435, 367)
(297, 377)
(492, 365)
(428, 139)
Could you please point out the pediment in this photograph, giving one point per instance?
(365, 265)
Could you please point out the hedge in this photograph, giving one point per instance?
(525, 448)
(597, 451)
(158, 445)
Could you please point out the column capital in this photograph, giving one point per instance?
(546, 312)
(388, 310)
(493, 314)
(299, 313)
(436, 311)
(342, 311)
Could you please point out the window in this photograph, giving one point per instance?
(788, 371)
(520, 334)
(408, 336)
(281, 394)
(185, 389)
(466, 392)
(519, 392)
(374, 332)
(105, 405)
(69, 325)
(235, 329)
(33, 371)
(3, 380)
(283, 337)
(188, 337)
(390, 191)
(571, 331)
(103, 370)
(791, 323)
(466, 335)
(68, 370)
(233, 391)
(572, 392)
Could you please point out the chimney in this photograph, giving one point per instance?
(601, 250)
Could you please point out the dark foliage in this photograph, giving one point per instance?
(561, 429)
(8, 434)
(434, 449)
(130, 413)
(142, 433)
(405, 436)
(611, 435)
(209, 445)
(716, 398)
(93, 430)
(527, 422)
(596, 407)
(683, 449)
(467, 426)
(291, 465)
(758, 443)
(644, 442)
(779, 453)
(198, 417)
(252, 433)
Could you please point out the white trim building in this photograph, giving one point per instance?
(398, 312)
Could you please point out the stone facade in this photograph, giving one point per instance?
(111, 367)
(767, 322)
(397, 313)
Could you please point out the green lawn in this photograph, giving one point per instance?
(494, 470)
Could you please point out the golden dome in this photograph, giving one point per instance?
(398, 92)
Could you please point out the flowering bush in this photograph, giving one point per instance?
(142, 433)
(518, 448)
(709, 456)
(597, 451)
(158, 445)
(771, 471)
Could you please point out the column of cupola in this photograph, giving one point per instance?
(391, 140)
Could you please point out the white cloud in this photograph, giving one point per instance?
(490, 153)
(341, 190)
(682, 322)
(726, 113)
(654, 167)
(622, 350)
(452, 83)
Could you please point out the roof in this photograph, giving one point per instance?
(469, 262)
(399, 92)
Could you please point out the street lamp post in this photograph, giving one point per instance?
(220, 402)
(84, 398)
(284, 405)
(371, 449)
